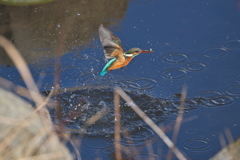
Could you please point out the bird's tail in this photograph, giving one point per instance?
(105, 69)
(103, 72)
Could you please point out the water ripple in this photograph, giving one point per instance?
(209, 94)
(140, 83)
(197, 145)
(195, 66)
(234, 90)
(216, 52)
(222, 100)
(144, 156)
(189, 104)
(46, 66)
(238, 78)
(214, 98)
(232, 44)
(175, 57)
(138, 138)
(129, 82)
(173, 73)
(97, 142)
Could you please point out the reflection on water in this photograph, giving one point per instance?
(36, 29)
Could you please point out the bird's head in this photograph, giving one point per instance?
(135, 51)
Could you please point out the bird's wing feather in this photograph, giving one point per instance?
(107, 34)
(111, 50)
(111, 43)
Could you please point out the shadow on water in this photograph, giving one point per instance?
(79, 106)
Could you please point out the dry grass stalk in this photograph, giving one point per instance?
(134, 150)
(49, 156)
(76, 148)
(117, 129)
(179, 118)
(24, 92)
(96, 117)
(25, 73)
(228, 135)
(222, 140)
(8, 85)
(25, 135)
(180, 115)
(158, 130)
(45, 101)
(150, 149)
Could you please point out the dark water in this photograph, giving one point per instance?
(196, 44)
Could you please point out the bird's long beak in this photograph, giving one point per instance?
(147, 51)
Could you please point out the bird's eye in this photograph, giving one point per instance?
(136, 51)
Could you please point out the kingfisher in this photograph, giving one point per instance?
(113, 51)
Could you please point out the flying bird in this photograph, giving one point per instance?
(113, 51)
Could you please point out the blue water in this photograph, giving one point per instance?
(195, 44)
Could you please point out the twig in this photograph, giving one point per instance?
(45, 101)
(158, 130)
(96, 117)
(89, 122)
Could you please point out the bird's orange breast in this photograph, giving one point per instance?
(119, 64)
